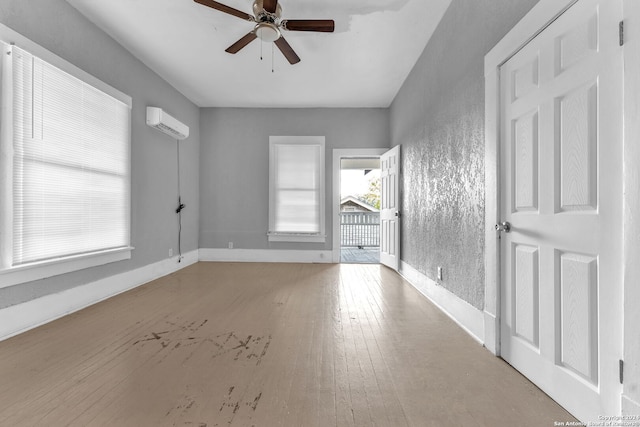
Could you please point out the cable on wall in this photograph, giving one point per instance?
(181, 206)
(160, 120)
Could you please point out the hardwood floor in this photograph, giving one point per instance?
(227, 344)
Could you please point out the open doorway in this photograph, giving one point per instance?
(360, 210)
(338, 155)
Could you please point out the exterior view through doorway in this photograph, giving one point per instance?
(356, 161)
(360, 210)
(389, 213)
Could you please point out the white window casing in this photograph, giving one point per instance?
(65, 148)
(296, 189)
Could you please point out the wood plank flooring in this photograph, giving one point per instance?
(228, 344)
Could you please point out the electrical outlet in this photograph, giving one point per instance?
(439, 273)
(170, 252)
(230, 245)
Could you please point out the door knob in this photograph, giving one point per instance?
(503, 226)
(397, 214)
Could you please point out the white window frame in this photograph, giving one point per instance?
(13, 275)
(319, 237)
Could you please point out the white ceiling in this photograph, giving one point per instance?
(362, 64)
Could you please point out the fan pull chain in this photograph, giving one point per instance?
(261, 43)
(272, 57)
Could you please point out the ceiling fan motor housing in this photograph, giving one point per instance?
(264, 16)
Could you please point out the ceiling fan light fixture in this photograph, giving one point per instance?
(269, 26)
(267, 32)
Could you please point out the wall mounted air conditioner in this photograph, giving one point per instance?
(159, 119)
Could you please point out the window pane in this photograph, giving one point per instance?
(296, 192)
(297, 167)
(71, 183)
(68, 211)
(297, 211)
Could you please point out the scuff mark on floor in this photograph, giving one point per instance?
(253, 405)
(232, 405)
(179, 337)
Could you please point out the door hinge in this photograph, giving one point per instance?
(621, 371)
(621, 32)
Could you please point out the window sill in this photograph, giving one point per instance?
(299, 238)
(41, 270)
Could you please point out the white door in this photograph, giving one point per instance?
(561, 191)
(389, 208)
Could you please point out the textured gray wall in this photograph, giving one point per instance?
(438, 118)
(58, 27)
(234, 166)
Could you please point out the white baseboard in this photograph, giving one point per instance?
(265, 255)
(28, 315)
(629, 406)
(464, 314)
(491, 333)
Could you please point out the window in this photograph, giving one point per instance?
(296, 189)
(65, 196)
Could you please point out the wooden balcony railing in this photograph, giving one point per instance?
(360, 229)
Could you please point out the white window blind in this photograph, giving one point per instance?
(297, 188)
(71, 164)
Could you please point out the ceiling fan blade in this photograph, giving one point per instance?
(226, 9)
(287, 51)
(321, 25)
(270, 5)
(248, 38)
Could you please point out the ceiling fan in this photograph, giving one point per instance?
(269, 26)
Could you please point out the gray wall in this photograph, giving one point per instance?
(58, 27)
(438, 118)
(234, 166)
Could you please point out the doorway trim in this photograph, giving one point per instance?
(631, 209)
(338, 155)
(534, 22)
